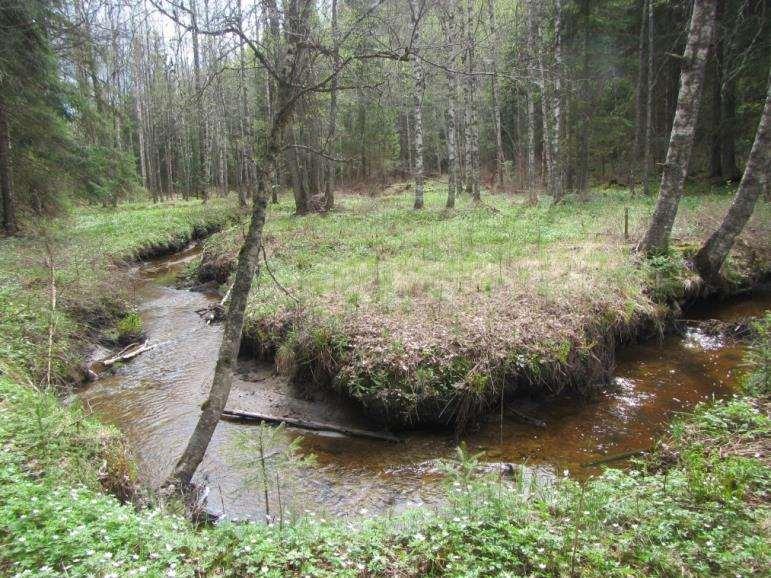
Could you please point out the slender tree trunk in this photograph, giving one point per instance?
(6, 177)
(716, 149)
(556, 139)
(585, 112)
(638, 124)
(202, 169)
(499, 157)
(472, 124)
(711, 256)
(647, 156)
(531, 190)
(529, 92)
(702, 25)
(329, 183)
(417, 70)
(453, 178)
(139, 109)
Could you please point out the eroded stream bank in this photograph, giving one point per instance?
(155, 398)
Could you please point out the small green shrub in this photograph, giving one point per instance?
(129, 328)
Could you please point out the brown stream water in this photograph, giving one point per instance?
(155, 400)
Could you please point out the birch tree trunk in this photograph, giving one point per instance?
(417, 96)
(329, 183)
(499, 158)
(453, 178)
(711, 256)
(557, 166)
(472, 123)
(702, 25)
(202, 170)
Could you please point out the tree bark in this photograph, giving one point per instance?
(716, 149)
(472, 126)
(529, 90)
(557, 165)
(211, 410)
(638, 125)
(711, 256)
(656, 239)
(499, 157)
(417, 96)
(453, 177)
(201, 173)
(6, 177)
(329, 183)
(647, 158)
(585, 113)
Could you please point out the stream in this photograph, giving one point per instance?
(155, 400)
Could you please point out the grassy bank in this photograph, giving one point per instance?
(85, 256)
(697, 507)
(426, 316)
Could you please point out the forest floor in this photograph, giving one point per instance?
(696, 507)
(424, 317)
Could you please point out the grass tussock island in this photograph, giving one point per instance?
(430, 317)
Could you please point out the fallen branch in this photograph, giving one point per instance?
(128, 352)
(236, 415)
(528, 419)
(614, 458)
(213, 313)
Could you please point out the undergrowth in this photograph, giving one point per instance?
(697, 507)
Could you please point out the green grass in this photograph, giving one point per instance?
(87, 250)
(416, 312)
(696, 508)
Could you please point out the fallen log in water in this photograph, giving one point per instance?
(237, 415)
(528, 419)
(615, 458)
(128, 352)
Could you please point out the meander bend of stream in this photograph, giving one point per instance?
(155, 400)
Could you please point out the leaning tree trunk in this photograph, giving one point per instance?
(417, 96)
(656, 238)
(211, 411)
(6, 181)
(246, 268)
(711, 256)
